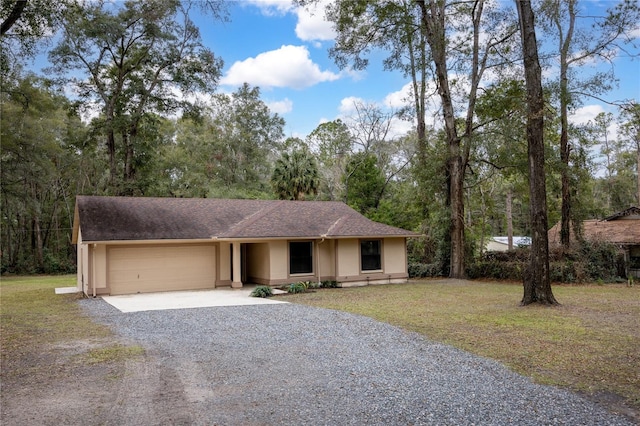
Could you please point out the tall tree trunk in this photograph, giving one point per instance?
(38, 244)
(509, 219)
(565, 149)
(565, 217)
(418, 73)
(537, 285)
(433, 19)
(457, 216)
(111, 148)
(638, 173)
(129, 167)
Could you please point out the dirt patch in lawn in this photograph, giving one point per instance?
(59, 367)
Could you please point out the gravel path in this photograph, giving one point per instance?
(299, 365)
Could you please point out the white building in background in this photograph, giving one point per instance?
(502, 243)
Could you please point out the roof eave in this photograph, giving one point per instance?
(150, 241)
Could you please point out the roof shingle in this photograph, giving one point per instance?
(145, 218)
(621, 228)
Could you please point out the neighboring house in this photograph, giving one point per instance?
(134, 245)
(502, 243)
(621, 229)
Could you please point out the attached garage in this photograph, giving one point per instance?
(143, 269)
(129, 245)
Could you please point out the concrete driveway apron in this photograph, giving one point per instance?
(187, 299)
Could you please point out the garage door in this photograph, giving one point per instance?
(160, 268)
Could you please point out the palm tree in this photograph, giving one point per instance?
(295, 175)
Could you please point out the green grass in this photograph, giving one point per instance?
(33, 318)
(113, 353)
(591, 343)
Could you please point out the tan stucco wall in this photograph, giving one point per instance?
(326, 259)
(279, 260)
(394, 263)
(258, 264)
(348, 258)
(394, 255)
(82, 252)
(224, 264)
(99, 266)
(267, 262)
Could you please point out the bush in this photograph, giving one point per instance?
(312, 284)
(583, 262)
(262, 291)
(422, 270)
(299, 287)
(496, 269)
(329, 284)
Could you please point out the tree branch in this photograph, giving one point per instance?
(15, 14)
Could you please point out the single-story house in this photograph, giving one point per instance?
(137, 244)
(502, 243)
(621, 229)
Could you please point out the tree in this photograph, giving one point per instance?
(38, 169)
(537, 284)
(332, 144)
(364, 183)
(24, 25)
(437, 23)
(135, 58)
(630, 130)
(499, 162)
(228, 151)
(577, 45)
(295, 175)
(600, 132)
(421, 38)
(245, 139)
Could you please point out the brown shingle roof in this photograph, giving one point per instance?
(142, 218)
(621, 228)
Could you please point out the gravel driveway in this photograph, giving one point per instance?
(299, 365)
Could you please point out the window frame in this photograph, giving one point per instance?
(310, 260)
(378, 263)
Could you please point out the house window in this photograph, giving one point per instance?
(634, 257)
(370, 255)
(300, 257)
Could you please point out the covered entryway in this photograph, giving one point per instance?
(144, 269)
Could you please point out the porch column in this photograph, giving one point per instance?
(236, 280)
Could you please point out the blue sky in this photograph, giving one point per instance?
(284, 50)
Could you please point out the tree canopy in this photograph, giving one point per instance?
(130, 105)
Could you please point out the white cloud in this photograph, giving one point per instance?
(400, 127)
(348, 105)
(312, 25)
(280, 107)
(400, 98)
(289, 66)
(585, 114)
(271, 7)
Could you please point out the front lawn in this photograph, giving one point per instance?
(590, 344)
(41, 331)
